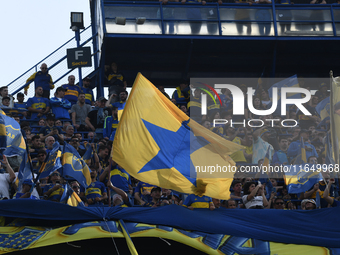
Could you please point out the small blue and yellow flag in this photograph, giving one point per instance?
(301, 158)
(70, 197)
(88, 154)
(323, 108)
(25, 170)
(169, 149)
(52, 162)
(74, 166)
(300, 178)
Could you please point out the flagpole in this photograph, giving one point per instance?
(30, 160)
(109, 190)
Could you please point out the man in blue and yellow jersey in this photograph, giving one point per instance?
(41, 79)
(89, 99)
(121, 104)
(38, 105)
(115, 80)
(194, 201)
(122, 180)
(95, 193)
(182, 93)
(72, 90)
(110, 125)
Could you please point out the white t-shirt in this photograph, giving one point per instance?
(258, 200)
(4, 185)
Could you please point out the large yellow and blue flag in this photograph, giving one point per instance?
(300, 178)
(158, 144)
(52, 162)
(335, 117)
(70, 197)
(12, 142)
(74, 166)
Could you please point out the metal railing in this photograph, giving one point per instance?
(57, 65)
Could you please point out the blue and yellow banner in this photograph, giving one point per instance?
(74, 166)
(26, 237)
(169, 149)
(300, 178)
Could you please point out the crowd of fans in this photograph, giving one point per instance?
(73, 116)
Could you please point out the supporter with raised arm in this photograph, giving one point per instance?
(122, 180)
(120, 198)
(294, 148)
(60, 105)
(79, 112)
(143, 192)
(330, 200)
(72, 90)
(41, 79)
(38, 105)
(121, 104)
(254, 197)
(261, 144)
(6, 179)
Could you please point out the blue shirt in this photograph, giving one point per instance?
(120, 178)
(95, 189)
(37, 103)
(60, 108)
(120, 105)
(197, 201)
(295, 149)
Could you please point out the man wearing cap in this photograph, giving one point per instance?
(72, 90)
(38, 105)
(51, 130)
(294, 148)
(60, 105)
(87, 91)
(79, 112)
(96, 118)
(308, 204)
(41, 79)
(156, 194)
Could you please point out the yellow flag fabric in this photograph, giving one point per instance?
(158, 144)
(335, 117)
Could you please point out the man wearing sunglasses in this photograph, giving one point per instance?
(76, 143)
(279, 203)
